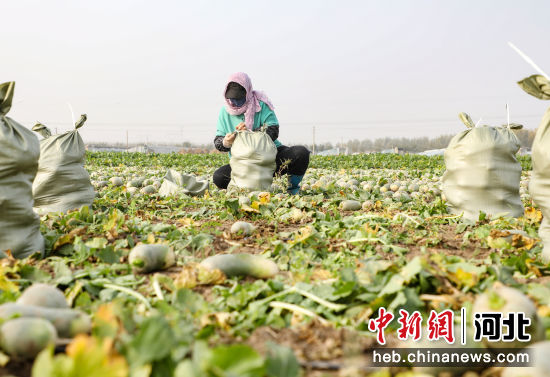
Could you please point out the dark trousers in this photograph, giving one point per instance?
(290, 160)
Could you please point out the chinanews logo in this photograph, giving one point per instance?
(443, 326)
(492, 327)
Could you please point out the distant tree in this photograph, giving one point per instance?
(411, 145)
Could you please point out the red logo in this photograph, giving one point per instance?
(410, 325)
(379, 325)
(441, 326)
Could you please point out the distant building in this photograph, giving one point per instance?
(198, 150)
(165, 148)
(94, 148)
(141, 149)
(393, 150)
(329, 152)
(433, 152)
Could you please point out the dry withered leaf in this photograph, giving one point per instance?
(193, 274)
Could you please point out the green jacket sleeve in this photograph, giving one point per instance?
(267, 116)
(224, 125)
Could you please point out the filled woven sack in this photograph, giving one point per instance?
(252, 160)
(19, 153)
(482, 171)
(62, 184)
(539, 185)
(176, 183)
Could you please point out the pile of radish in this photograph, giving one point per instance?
(39, 318)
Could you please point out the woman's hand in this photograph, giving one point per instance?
(229, 139)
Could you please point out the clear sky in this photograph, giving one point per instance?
(354, 69)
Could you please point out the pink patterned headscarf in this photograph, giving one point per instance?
(252, 104)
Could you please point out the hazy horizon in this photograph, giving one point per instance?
(354, 70)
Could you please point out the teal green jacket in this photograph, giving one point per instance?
(228, 122)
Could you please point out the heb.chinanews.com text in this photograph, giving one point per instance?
(436, 357)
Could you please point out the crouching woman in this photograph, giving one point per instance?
(247, 109)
